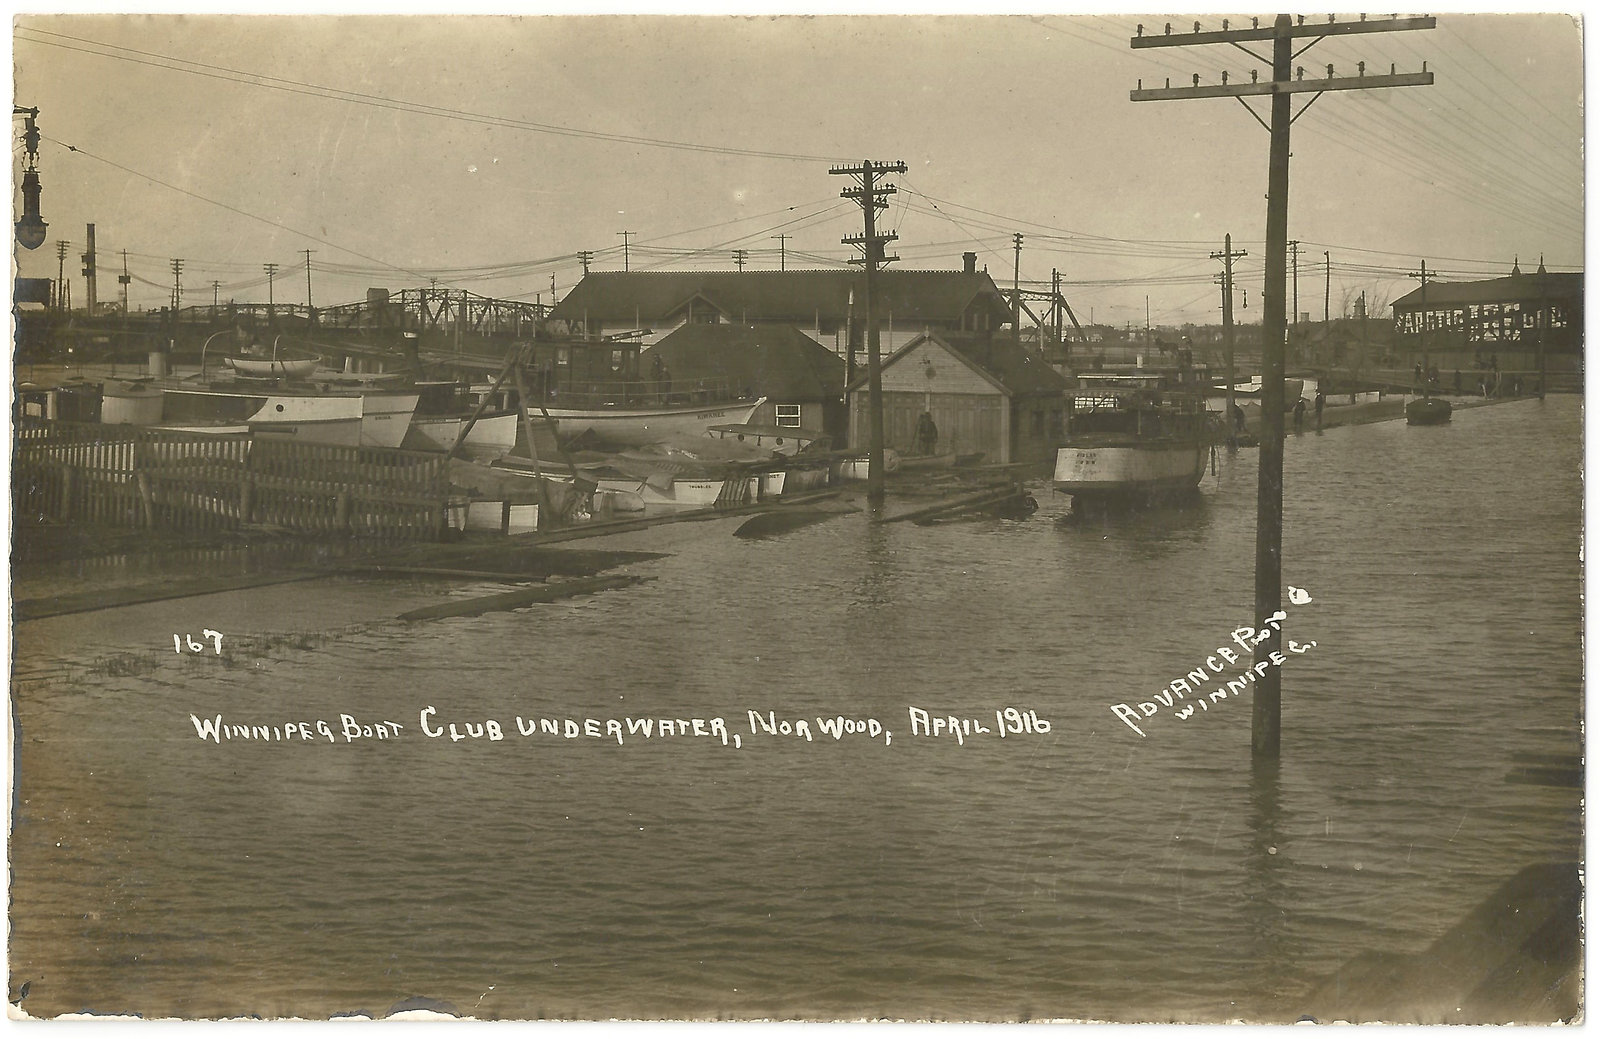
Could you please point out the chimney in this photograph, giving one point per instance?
(969, 263)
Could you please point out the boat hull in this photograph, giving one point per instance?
(1428, 411)
(267, 368)
(1143, 470)
(385, 418)
(491, 437)
(639, 427)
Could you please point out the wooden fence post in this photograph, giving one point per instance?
(247, 497)
(66, 493)
(147, 499)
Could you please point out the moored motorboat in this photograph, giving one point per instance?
(386, 416)
(1132, 437)
(1428, 411)
(314, 417)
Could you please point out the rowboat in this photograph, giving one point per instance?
(1427, 411)
(280, 367)
(638, 426)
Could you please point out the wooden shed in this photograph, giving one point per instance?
(985, 393)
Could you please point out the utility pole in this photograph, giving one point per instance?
(1016, 286)
(781, 252)
(625, 235)
(738, 257)
(1422, 316)
(215, 286)
(1266, 710)
(1544, 320)
(584, 256)
(1294, 248)
(1327, 287)
(61, 275)
(1055, 302)
(272, 270)
(872, 197)
(310, 313)
(124, 279)
(177, 288)
(1227, 256)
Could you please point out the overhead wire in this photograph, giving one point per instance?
(225, 73)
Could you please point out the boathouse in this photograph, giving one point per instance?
(1475, 324)
(985, 393)
(802, 380)
(826, 305)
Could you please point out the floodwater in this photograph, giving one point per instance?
(1082, 872)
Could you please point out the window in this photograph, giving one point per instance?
(787, 415)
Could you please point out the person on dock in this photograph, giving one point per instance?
(1299, 414)
(1238, 419)
(927, 437)
(1321, 400)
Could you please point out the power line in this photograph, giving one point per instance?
(256, 79)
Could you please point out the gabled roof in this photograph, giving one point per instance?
(786, 297)
(1009, 367)
(1519, 288)
(777, 361)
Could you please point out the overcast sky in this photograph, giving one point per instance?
(487, 151)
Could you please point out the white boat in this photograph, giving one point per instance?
(635, 426)
(386, 416)
(1132, 438)
(681, 491)
(313, 417)
(273, 367)
(855, 467)
(491, 437)
(1250, 391)
(785, 440)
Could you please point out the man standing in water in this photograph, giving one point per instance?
(927, 437)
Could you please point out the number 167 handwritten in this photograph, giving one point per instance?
(198, 647)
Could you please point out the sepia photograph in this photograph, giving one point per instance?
(909, 516)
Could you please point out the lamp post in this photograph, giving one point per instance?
(30, 229)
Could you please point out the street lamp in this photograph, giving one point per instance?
(30, 229)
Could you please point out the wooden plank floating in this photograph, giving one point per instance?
(522, 597)
(107, 598)
(386, 570)
(991, 495)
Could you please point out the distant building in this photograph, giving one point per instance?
(802, 380)
(1468, 324)
(825, 305)
(985, 393)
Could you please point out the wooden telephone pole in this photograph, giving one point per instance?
(872, 196)
(1227, 256)
(1266, 711)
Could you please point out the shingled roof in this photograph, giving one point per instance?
(1010, 366)
(1519, 288)
(788, 297)
(777, 361)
